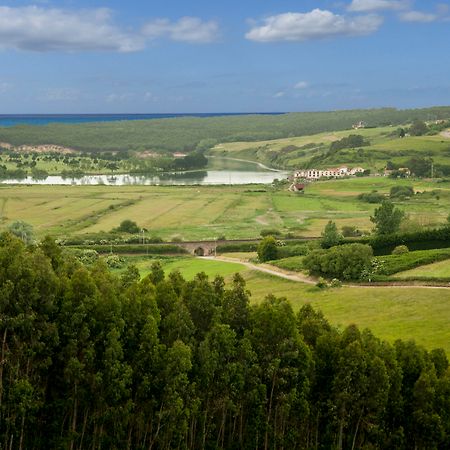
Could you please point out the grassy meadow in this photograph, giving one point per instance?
(207, 212)
(391, 313)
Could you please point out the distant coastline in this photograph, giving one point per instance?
(9, 120)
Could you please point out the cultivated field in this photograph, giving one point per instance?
(201, 212)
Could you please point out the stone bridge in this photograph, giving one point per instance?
(208, 248)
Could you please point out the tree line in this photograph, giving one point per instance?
(90, 359)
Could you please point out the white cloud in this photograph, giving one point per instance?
(187, 29)
(42, 29)
(279, 94)
(301, 85)
(5, 87)
(317, 24)
(60, 94)
(116, 97)
(418, 16)
(377, 5)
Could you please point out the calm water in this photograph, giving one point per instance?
(207, 177)
(44, 119)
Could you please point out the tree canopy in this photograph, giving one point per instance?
(90, 359)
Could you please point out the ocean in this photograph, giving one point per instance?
(9, 120)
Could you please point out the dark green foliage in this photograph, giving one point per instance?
(90, 360)
(387, 218)
(371, 197)
(418, 128)
(190, 133)
(330, 235)
(420, 167)
(267, 249)
(420, 240)
(128, 226)
(401, 191)
(352, 141)
(390, 264)
(345, 262)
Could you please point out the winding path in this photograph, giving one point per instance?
(301, 278)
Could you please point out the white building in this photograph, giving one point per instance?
(315, 174)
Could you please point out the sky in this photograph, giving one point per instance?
(147, 56)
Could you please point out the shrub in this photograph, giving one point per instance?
(267, 249)
(335, 283)
(371, 197)
(114, 261)
(270, 232)
(401, 191)
(322, 283)
(346, 262)
(128, 226)
(400, 249)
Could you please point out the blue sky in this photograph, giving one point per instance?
(212, 56)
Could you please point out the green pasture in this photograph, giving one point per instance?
(295, 152)
(439, 269)
(208, 212)
(391, 313)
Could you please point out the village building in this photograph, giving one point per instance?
(339, 172)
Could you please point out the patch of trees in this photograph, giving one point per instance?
(94, 360)
(371, 197)
(344, 262)
(401, 192)
(352, 141)
(418, 128)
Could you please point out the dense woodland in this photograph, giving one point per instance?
(191, 133)
(94, 360)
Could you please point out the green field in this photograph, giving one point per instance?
(296, 152)
(202, 212)
(439, 269)
(391, 313)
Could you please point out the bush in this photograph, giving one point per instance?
(371, 197)
(322, 283)
(128, 226)
(114, 261)
(267, 249)
(401, 191)
(270, 232)
(335, 283)
(346, 262)
(400, 249)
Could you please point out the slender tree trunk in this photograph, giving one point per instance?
(73, 425)
(22, 427)
(269, 413)
(356, 431)
(83, 431)
(2, 362)
(341, 432)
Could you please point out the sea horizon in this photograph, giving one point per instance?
(8, 120)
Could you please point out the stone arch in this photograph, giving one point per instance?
(199, 251)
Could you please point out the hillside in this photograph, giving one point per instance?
(382, 144)
(189, 133)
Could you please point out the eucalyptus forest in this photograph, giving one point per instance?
(91, 359)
